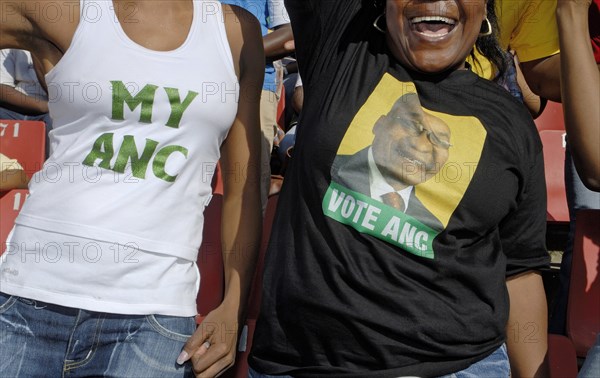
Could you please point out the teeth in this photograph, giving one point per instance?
(433, 18)
(413, 161)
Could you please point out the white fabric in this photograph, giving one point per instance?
(379, 186)
(96, 275)
(155, 207)
(17, 71)
(278, 15)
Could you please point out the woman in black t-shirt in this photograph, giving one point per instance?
(414, 205)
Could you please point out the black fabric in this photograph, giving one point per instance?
(338, 301)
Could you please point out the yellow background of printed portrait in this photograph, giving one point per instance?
(442, 193)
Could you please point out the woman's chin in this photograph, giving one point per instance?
(436, 65)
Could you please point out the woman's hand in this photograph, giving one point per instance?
(212, 348)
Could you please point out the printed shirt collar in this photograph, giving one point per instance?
(379, 186)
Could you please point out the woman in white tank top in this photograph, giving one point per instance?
(145, 97)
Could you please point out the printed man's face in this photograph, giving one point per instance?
(410, 146)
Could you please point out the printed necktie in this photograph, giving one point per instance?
(394, 200)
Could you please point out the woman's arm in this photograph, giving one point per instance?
(527, 337)
(12, 99)
(24, 25)
(580, 80)
(276, 43)
(14, 26)
(241, 221)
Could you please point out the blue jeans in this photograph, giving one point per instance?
(44, 340)
(495, 365)
(591, 366)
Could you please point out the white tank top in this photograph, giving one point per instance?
(134, 145)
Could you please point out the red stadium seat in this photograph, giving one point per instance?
(562, 361)
(217, 181)
(583, 311)
(24, 141)
(554, 162)
(551, 118)
(210, 260)
(10, 205)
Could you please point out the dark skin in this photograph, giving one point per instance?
(276, 43)
(12, 99)
(543, 76)
(434, 54)
(580, 89)
(576, 69)
(49, 39)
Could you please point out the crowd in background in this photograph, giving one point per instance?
(548, 50)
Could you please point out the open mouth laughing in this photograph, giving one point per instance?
(433, 26)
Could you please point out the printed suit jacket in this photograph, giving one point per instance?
(352, 171)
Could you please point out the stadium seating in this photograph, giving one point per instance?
(562, 362)
(554, 163)
(552, 118)
(10, 205)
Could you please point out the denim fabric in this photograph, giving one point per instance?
(591, 366)
(43, 340)
(578, 197)
(495, 365)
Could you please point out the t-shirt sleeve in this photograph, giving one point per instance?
(7, 68)
(278, 15)
(320, 25)
(523, 232)
(536, 35)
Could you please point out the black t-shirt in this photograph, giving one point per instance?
(355, 286)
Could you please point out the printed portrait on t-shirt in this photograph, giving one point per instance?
(401, 169)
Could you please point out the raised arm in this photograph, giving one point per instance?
(25, 25)
(320, 25)
(580, 90)
(212, 348)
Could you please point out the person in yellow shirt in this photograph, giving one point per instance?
(529, 28)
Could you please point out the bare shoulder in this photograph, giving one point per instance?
(245, 39)
(31, 24)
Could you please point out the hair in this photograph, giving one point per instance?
(488, 46)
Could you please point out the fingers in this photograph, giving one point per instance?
(289, 45)
(213, 361)
(188, 351)
(197, 343)
(209, 353)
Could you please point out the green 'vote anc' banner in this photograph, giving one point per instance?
(374, 218)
